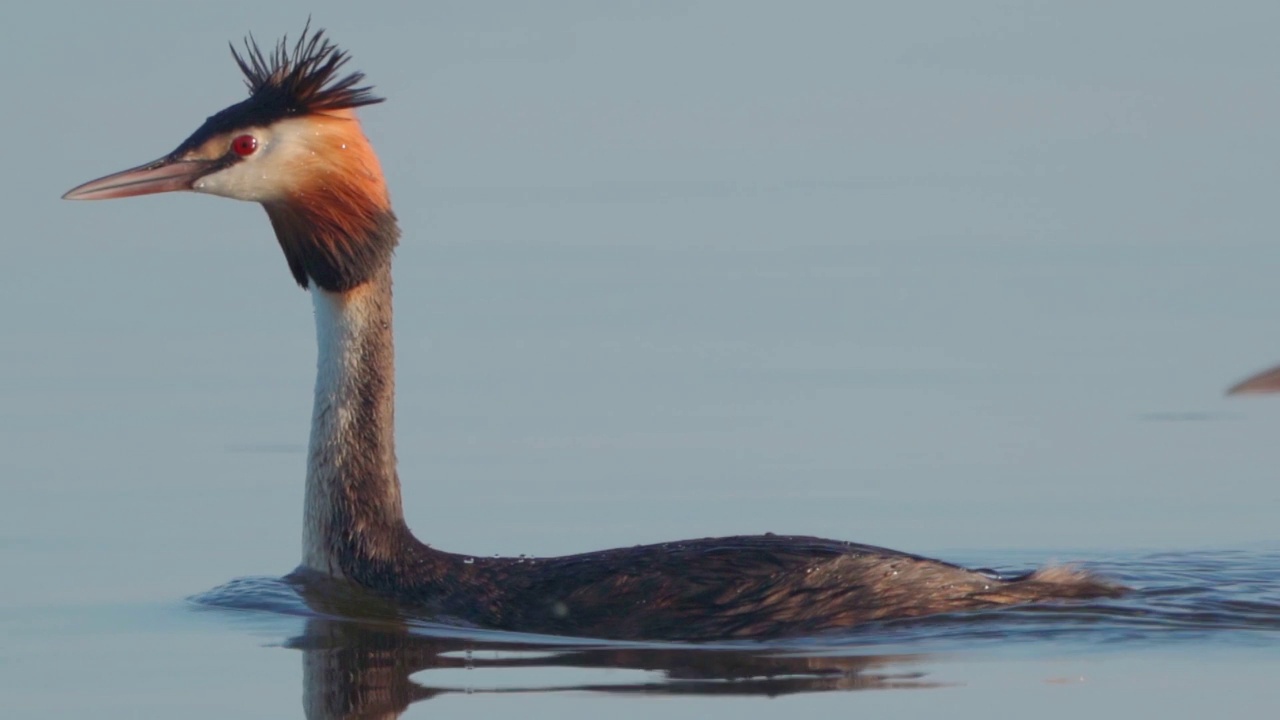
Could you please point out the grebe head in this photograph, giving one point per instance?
(295, 146)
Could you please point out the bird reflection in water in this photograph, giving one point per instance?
(356, 670)
(379, 665)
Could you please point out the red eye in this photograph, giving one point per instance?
(244, 145)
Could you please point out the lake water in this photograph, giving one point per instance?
(966, 280)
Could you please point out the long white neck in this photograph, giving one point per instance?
(353, 512)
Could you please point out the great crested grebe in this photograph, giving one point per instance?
(296, 147)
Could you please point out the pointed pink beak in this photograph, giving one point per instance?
(163, 175)
(1267, 381)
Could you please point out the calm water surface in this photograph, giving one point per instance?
(966, 280)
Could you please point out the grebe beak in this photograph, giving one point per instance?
(164, 175)
(1267, 381)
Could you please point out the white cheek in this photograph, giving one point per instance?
(242, 181)
(262, 177)
(286, 154)
(265, 176)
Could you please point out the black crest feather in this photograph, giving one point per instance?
(287, 82)
(303, 80)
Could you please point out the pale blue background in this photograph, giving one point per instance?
(948, 277)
